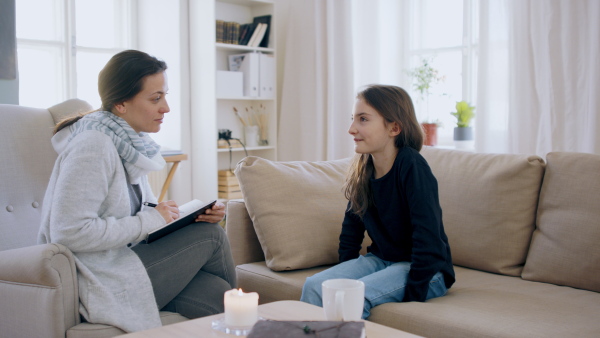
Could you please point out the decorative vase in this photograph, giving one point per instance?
(430, 130)
(463, 138)
(251, 136)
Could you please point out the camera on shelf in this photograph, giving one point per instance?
(227, 141)
(224, 134)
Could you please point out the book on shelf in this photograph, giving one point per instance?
(265, 19)
(244, 28)
(228, 185)
(222, 144)
(220, 31)
(227, 32)
(235, 33)
(226, 28)
(230, 196)
(249, 32)
(228, 181)
(254, 34)
(254, 37)
(258, 35)
(229, 189)
(226, 173)
(171, 152)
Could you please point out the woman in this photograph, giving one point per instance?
(94, 206)
(393, 195)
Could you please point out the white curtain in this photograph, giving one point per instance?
(317, 89)
(555, 76)
(538, 73)
(492, 132)
(379, 42)
(333, 48)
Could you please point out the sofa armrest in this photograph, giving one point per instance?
(38, 287)
(245, 246)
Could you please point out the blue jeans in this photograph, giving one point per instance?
(384, 281)
(190, 269)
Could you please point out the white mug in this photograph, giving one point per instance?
(343, 299)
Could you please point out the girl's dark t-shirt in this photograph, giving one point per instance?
(405, 224)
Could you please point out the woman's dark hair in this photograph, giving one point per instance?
(394, 105)
(120, 80)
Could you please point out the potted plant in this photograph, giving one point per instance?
(463, 132)
(424, 76)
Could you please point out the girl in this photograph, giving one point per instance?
(393, 195)
(94, 206)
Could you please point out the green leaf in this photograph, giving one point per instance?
(464, 114)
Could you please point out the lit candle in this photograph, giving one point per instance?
(241, 309)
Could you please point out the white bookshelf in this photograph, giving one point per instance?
(244, 11)
(210, 112)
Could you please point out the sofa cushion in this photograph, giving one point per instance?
(488, 205)
(297, 209)
(482, 304)
(564, 249)
(273, 286)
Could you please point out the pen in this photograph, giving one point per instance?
(148, 204)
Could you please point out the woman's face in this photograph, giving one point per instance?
(145, 111)
(370, 132)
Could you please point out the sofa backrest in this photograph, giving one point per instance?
(565, 248)
(488, 205)
(26, 162)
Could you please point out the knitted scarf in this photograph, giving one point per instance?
(139, 153)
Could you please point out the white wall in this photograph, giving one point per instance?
(159, 35)
(163, 33)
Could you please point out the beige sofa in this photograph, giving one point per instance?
(524, 234)
(38, 283)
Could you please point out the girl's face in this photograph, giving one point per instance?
(145, 111)
(371, 134)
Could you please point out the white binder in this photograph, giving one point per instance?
(250, 67)
(267, 76)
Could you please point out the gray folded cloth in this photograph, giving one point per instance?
(291, 329)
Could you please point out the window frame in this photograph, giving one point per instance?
(68, 47)
(469, 49)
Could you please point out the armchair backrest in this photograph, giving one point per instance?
(26, 162)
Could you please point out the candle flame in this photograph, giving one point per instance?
(240, 293)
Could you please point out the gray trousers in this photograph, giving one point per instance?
(190, 269)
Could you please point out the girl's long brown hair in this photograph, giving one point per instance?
(120, 80)
(395, 105)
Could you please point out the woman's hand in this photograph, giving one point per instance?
(213, 215)
(168, 210)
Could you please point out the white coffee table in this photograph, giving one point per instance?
(282, 310)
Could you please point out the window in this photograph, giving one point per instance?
(446, 34)
(63, 44)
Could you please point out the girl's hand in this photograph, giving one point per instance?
(213, 215)
(168, 210)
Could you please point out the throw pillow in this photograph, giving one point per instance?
(488, 206)
(297, 209)
(564, 248)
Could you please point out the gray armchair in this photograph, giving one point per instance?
(38, 283)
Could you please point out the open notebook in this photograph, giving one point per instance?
(187, 215)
